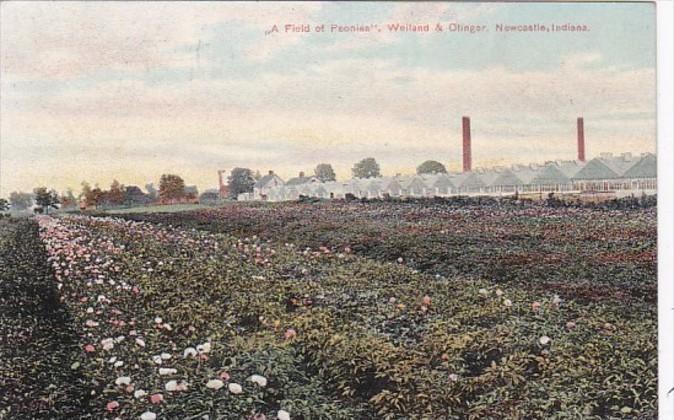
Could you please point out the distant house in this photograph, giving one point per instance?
(191, 192)
(265, 185)
(643, 173)
(413, 186)
(506, 182)
(618, 175)
(550, 178)
(209, 197)
(597, 175)
(134, 196)
(301, 180)
(391, 187)
(469, 183)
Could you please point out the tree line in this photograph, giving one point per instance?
(172, 189)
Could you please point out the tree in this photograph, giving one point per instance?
(68, 200)
(46, 199)
(97, 196)
(87, 194)
(171, 187)
(151, 191)
(431, 167)
(240, 181)
(4, 204)
(116, 194)
(324, 172)
(20, 200)
(366, 168)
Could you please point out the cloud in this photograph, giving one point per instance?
(48, 40)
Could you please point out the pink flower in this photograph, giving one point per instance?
(112, 406)
(156, 398)
(426, 301)
(289, 334)
(89, 348)
(536, 306)
(224, 376)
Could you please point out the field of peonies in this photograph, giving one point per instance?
(600, 253)
(182, 318)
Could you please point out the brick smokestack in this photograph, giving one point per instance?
(581, 139)
(467, 158)
(221, 184)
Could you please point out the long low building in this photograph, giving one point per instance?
(621, 175)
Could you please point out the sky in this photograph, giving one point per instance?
(129, 91)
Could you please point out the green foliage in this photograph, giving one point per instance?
(324, 172)
(355, 333)
(241, 180)
(39, 343)
(171, 187)
(45, 199)
(431, 167)
(366, 168)
(20, 200)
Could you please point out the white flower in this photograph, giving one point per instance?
(190, 351)
(544, 340)
(158, 320)
(215, 384)
(483, 292)
(107, 343)
(556, 300)
(148, 415)
(157, 359)
(165, 356)
(90, 310)
(140, 342)
(235, 388)
(167, 371)
(453, 377)
(204, 348)
(139, 393)
(113, 359)
(283, 415)
(258, 379)
(499, 292)
(123, 380)
(118, 363)
(508, 302)
(171, 386)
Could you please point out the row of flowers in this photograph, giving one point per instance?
(177, 322)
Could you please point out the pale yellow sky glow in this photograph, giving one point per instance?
(128, 91)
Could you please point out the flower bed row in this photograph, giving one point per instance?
(588, 254)
(38, 341)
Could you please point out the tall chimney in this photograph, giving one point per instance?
(221, 183)
(467, 160)
(581, 140)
